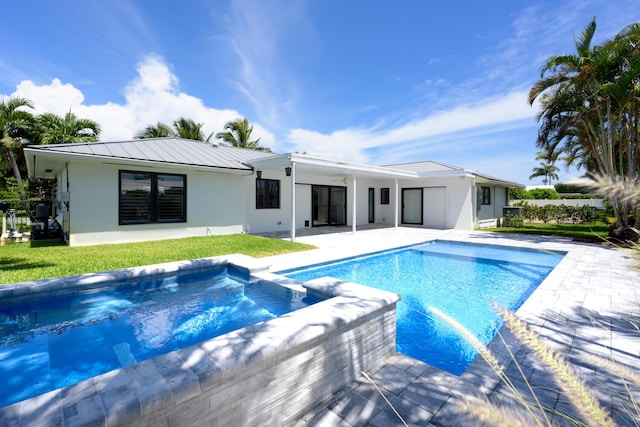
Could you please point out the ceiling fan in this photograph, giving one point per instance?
(346, 180)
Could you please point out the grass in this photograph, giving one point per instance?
(24, 262)
(592, 232)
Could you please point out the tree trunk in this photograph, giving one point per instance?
(18, 176)
(14, 166)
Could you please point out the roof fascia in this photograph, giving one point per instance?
(132, 162)
(328, 165)
(447, 174)
(494, 180)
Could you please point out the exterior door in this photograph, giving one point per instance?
(372, 205)
(328, 205)
(412, 206)
(435, 207)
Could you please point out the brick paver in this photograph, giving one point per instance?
(588, 306)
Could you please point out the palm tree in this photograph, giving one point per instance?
(16, 127)
(159, 130)
(547, 168)
(187, 128)
(238, 134)
(590, 107)
(548, 171)
(69, 129)
(183, 128)
(565, 106)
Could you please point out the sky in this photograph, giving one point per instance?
(365, 81)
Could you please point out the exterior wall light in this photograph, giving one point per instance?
(287, 170)
(259, 174)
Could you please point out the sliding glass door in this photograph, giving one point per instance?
(329, 205)
(412, 206)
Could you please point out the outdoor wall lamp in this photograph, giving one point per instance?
(287, 170)
(259, 174)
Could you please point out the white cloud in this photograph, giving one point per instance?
(55, 98)
(510, 110)
(260, 36)
(151, 97)
(340, 145)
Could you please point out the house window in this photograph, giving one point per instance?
(384, 196)
(148, 197)
(267, 194)
(485, 195)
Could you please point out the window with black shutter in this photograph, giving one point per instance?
(149, 197)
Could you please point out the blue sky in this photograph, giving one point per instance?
(371, 81)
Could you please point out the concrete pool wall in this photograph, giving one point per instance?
(268, 373)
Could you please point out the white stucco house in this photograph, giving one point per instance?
(150, 189)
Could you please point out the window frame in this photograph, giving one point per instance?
(384, 195)
(485, 196)
(261, 202)
(154, 216)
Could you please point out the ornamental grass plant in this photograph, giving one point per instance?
(525, 409)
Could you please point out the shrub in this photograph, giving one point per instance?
(530, 211)
(569, 188)
(516, 221)
(582, 196)
(588, 214)
(518, 194)
(562, 213)
(547, 213)
(544, 193)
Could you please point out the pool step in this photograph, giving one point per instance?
(125, 357)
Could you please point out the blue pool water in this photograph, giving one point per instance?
(55, 342)
(461, 280)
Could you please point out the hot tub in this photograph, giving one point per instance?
(267, 372)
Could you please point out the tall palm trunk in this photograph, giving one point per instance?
(16, 173)
(14, 166)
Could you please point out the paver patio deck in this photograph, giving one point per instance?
(588, 305)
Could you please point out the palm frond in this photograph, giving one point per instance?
(583, 42)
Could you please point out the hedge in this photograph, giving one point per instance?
(562, 214)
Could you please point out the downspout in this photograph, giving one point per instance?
(66, 234)
(397, 203)
(474, 204)
(66, 168)
(353, 211)
(293, 201)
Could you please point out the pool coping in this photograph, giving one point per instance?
(23, 291)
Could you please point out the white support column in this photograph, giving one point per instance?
(293, 201)
(3, 235)
(397, 205)
(353, 211)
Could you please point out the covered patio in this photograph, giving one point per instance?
(303, 171)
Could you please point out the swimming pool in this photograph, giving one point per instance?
(53, 342)
(462, 280)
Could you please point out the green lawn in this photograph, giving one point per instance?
(23, 261)
(595, 232)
